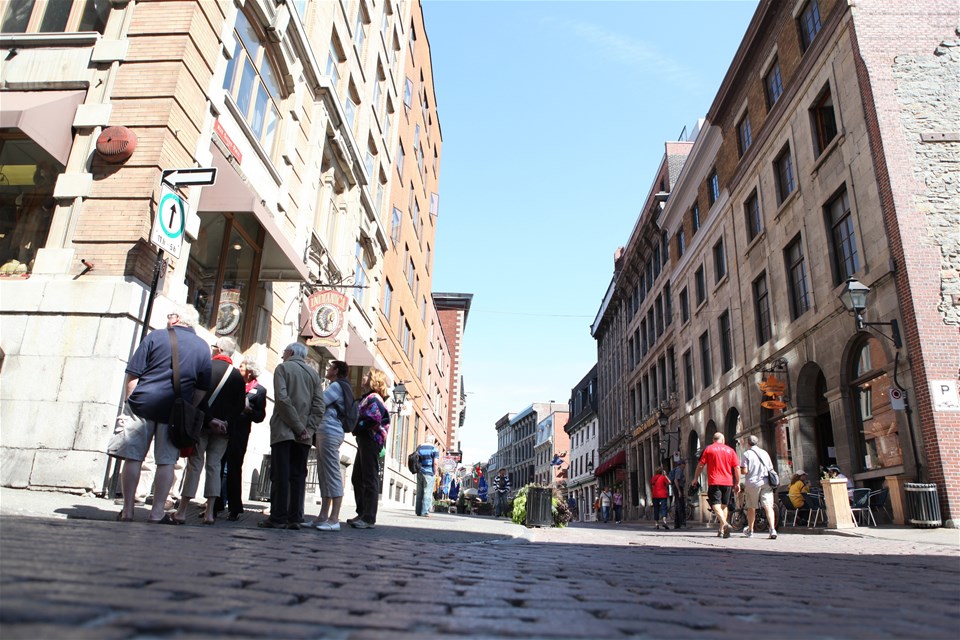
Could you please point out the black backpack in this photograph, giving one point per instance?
(350, 413)
(413, 462)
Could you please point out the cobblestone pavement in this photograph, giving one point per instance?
(90, 577)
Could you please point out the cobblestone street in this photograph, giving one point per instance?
(86, 576)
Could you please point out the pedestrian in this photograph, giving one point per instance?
(606, 500)
(755, 465)
(371, 432)
(678, 480)
(254, 412)
(148, 400)
(660, 490)
(428, 458)
(572, 505)
(454, 490)
(221, 408)
(798, 486)
(723, 479)
(298, 406)
(617, 506)
(337, 397)
(501, 491)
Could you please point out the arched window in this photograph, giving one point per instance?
(251, 80)
(875, 420)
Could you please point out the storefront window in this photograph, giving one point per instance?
(54, 16)
(877, 422)
(27, 177)
(221, 273)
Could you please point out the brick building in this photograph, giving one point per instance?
(306, 110)
(831, 135)
(453, 310)
(551, 450)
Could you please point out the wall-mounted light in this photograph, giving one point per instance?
(854, 299)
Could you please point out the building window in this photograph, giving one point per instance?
(797, 278)
(809, 23)
(713, 187)
(668, 304)
(54, 16)
(761, 309)
(744, 136)
(695, 217)
(408, 93)
(395, 223)
(387, 300)
(400, 157)
(879, 436)
(658, 306)
(26, 201)
(772, 84)
(681, 242)
(843, 245)
(783, 168)
(221, 275)
(360, 275)
(360, 30)
(726, 342)
(664, 247)
(688, 381)
(719, 261)
(334, 58)
(752, 220)
(251, 80)
(701, 282)
(706, 364)
(411, 274)
(824, 121)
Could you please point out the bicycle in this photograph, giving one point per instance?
(737, 517)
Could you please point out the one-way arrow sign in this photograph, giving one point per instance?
(189, 177)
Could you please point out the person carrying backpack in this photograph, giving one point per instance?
(338, 401)
(429, 461)
(371, 431)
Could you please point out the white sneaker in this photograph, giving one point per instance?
(313, 524)
(748, 533)
(328, 526)
(773, 534)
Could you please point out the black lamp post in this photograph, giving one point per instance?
(854, 299)
(399, 396)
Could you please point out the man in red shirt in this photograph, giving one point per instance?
(723, 476)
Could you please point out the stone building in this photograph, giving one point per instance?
(516, 437)
(582, 430)
(453, 310)
(298, 107)
(830, 137)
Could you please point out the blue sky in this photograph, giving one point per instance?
(554, 116)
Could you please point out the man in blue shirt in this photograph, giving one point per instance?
(429, 458)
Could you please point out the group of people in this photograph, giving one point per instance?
(306, 413)
(609, 503)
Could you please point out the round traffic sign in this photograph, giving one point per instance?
(896, 394)
(171, 216)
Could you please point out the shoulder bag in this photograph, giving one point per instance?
(186, 420)
(773, 478)
(216, 425)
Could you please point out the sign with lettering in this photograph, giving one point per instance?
(169, 221)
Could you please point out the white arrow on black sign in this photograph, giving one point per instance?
(190, 177)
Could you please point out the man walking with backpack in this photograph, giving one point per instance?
(429, 461)
(755, 464)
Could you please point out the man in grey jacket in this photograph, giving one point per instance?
(298, 407)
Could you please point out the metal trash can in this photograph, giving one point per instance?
(923, 506)
(539, 507)
(261, 492)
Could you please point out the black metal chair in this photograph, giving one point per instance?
(813, 502)
(878, 500)
(860, 505)
(786, 506)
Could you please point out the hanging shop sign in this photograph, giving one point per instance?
(321, 318)
(229, 312)
(773, 390)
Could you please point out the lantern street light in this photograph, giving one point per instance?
(854, 299)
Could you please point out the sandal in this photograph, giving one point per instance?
(166, 519)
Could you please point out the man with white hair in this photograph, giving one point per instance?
(298, 407)
(149, 397)
(755, 464)
(254, 411)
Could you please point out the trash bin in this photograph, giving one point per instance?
(539, 507)
(923, 506)
(261, 492)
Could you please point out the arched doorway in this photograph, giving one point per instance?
(731, 428)
(876, 428)
(813, 444)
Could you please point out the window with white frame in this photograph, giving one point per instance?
(783, 171)
(809, 23)
(53, 16)
(773, 84)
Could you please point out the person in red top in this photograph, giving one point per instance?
(660, 488)
(723, 476)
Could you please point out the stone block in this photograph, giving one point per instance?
(31, 377)
(80, 469)
(11, 333)
(95, 425)
(92, 115)
(116, 337)
(60, 335)
(69, 296)
(91, 379)
(73, 185)
(55, 261)
(129, 298)
(20, 295)
(31, 424)
(15, 466)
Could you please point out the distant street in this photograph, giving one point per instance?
(421, 577)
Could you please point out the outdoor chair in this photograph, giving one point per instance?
(786, 506)
(860, 505)
(813, 503)
(878, 500)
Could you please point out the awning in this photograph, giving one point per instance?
(358, 353)
(231, 193)
(618, 460)
(45, 116)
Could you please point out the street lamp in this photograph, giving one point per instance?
(663, 420)
(854, 299)
(399, 395)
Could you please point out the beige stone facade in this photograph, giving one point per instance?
(300, 108)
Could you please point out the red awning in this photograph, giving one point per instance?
(618, 460)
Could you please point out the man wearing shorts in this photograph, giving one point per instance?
(723, 478)
(755, 464)
(149, 396)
